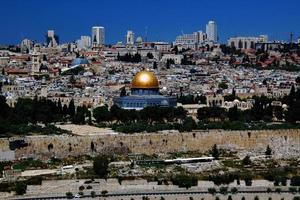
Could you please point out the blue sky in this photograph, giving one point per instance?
(164, 18)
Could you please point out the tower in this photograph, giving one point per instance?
(98, 35)
(211, 31)
(36, 62)
(130, 38)
(52, 40)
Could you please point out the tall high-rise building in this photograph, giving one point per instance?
(84, 42)
(130, 37)
(98, 35)
(212, 31)
(52, 40)
(26, 45)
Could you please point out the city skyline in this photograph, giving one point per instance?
(77, 18)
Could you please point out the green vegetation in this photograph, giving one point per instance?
(28, 164)
(215, 152)
(74, 71)
(295, 181)
(223, 190)
(183, 180)
(136, 58)
(212, 191)
(23, 118)
(247, 160)
(69, 195)
(100, 166)
(104, 192)
(20, 188)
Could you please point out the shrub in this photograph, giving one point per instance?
(81, 187)
(104, 192)
(223, 190)
(278, 190)
(247, 160)
(295, 181)
(185, 181)
(93, 194)
(248, 180)
(20, 188)
(35, 180)
(234, 190)
(100, 166)
(269, 190)
(69, 195)
(293, 190)
(89, 187)
(212, 191)
(226, 178)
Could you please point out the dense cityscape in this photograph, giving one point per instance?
(196, 118)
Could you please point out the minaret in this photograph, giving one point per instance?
(35, 62)
(44, 90)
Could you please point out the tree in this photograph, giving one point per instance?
(212, 191)
(223, 85)
(150, 55)
(123, 92)
(81, 187)
(295, 181)
(224, 190)
(234, 190)
(69, 195)
(189, 124)
(154, 65)
(71, 108)
(183, 180)
(234, 114)
(101, 114)
(104, 192)
(247, 160)
(72, 79)
(268, 151)
(215, 152)
(100, 166)
(248, 180)
(20, 188)
(79, 117)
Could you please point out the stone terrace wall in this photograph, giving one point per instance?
(284, 143)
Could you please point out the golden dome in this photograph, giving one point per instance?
(144, 80)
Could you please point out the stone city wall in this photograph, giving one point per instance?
(284, 143)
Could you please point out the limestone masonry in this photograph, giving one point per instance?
(284, 143)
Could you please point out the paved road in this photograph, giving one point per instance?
(159, 193)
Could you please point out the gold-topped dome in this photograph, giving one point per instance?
(144, 80)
